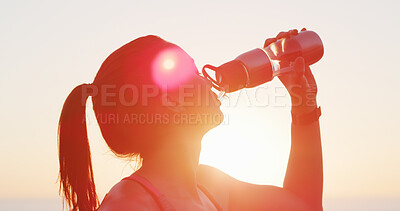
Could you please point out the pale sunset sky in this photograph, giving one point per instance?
(49, 47)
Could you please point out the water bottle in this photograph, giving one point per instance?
(261, 65)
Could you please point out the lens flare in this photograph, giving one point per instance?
(168, 64)
(172, 67)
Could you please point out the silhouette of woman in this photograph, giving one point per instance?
(149, 100)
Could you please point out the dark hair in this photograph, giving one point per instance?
(76, 172)
(127, 65)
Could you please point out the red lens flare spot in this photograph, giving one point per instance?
(172, 67)
(168, 64)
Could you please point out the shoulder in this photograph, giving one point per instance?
(234, 194)
(208, 174)
(128, 195)
(216, 182)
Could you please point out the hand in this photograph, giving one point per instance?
(300, 83)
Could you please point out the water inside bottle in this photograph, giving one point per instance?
(277, 70)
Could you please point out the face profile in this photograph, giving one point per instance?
(183, 89)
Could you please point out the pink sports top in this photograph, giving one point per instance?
(161, 200)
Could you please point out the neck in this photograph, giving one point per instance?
(176, 161)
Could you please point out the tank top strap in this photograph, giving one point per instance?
(160, 198)
(208, 194)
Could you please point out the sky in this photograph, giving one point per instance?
(49, 47)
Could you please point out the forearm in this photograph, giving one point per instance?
(304, 175)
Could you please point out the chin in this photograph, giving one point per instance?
(205, 118)
(216, 118)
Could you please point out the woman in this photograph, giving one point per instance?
(150, 102)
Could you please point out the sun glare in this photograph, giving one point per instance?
(172, 67)
(168, 64)
(239, 159)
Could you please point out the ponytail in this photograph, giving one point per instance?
(76, 173)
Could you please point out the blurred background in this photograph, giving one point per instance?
(49, 47)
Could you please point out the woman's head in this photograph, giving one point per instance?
(144, 91)
(152, 86)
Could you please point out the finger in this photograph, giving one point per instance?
(293, 32)
(282, 35)
(269, 41)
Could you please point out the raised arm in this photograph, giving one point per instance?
(304, 175)
(304, 170)
(302, 188)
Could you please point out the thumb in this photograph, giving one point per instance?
(269, 41)
(299, 66)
